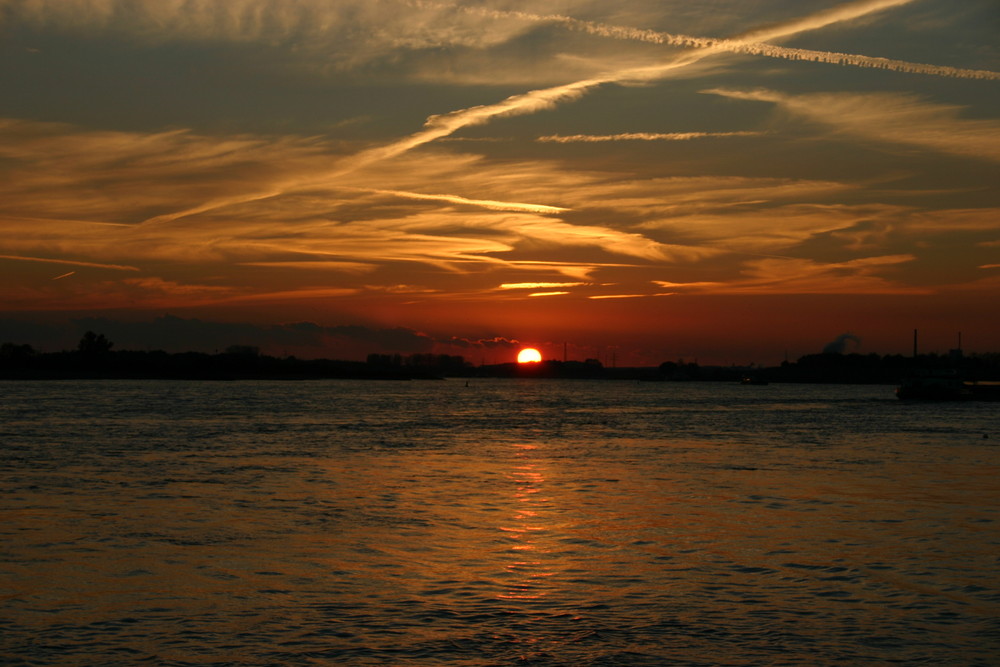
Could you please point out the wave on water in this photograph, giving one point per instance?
(508, 522)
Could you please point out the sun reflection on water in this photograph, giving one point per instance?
(528, 531)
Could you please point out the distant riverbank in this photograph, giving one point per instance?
(95, 358)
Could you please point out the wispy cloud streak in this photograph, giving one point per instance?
(804, 276)
(481, 203)
(441, 126)
(869, 62)
(507, 286)
(94, 265)
(640, 136)
(541, 99)
(324, 27)
(598, 297)
(888, 117)
(751, 43)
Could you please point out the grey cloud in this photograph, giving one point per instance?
(497, 342)
(842, 344)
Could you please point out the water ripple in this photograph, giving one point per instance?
(544, 523)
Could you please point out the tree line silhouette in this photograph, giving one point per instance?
(95, 357)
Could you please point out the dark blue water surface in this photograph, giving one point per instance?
(508, 522)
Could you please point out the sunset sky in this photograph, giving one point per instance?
(731, 181)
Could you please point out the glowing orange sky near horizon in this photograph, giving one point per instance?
(597, 179)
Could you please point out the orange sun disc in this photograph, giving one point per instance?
(529, 355)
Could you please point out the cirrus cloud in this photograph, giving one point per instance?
(896, 118)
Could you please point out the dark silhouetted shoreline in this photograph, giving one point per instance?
(95, 358)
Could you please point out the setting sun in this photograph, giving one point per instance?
(529, 355)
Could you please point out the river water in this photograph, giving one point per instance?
(507, 522)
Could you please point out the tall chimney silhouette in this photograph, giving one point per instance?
(914, 343)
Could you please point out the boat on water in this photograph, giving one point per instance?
(946, 386)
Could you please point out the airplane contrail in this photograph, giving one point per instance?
(639, 136)
(440, 126)
(870, 62)
(443, 125)
(743, 44)
(65, 275)
(116, 267)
